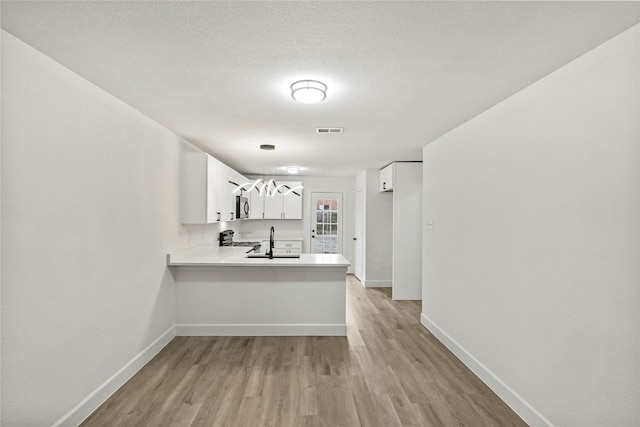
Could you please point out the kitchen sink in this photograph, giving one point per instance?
(275, 256)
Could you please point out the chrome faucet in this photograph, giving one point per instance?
(271, 243)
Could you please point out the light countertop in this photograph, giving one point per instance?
(235, 256)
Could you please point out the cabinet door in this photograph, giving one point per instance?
(288, 247)
(273, 207)
(386, 178)
(225, 197)
(198, 188)
(256, 204)
(235, 180)
(212, 191)
(292, 202)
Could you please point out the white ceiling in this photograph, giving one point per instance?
(400, 74)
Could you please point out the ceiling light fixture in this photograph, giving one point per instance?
(308, 91)
(268, 188)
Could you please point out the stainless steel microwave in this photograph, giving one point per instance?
(242, 207)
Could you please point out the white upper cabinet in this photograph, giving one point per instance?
(279, 206)
(199, 191)
(292, 202)
(386, 178)
(256, 204)
(273, 207)
(207, 187)
(234, 180)
(226, 197)
(207, 195)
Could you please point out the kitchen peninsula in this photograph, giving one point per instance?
(219, 291)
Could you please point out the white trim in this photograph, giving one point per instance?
(97, 397)
(245, 330)
(377, 283)
(527, 412)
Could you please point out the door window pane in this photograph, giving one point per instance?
(326, 226)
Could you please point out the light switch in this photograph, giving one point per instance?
(429, 225)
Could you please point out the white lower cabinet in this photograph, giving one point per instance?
(287, 247)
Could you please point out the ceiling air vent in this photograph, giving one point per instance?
(329, 130)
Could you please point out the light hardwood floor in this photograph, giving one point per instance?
(389, 371)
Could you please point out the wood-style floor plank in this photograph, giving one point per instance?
(388, 371)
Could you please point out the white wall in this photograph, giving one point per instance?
(360, 224)
(531, 271)
(378, 230)
(259, 228)
(407, 232)
(89, 211)
(0, 236)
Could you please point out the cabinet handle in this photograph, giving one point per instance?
(384, 185)
(218, 215)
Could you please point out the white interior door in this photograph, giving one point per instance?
(359, 226)
(326, 223)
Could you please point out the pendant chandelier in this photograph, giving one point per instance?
(267, 188)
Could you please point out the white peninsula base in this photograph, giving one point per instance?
(227, 294)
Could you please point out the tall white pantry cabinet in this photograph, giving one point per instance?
(404, 180)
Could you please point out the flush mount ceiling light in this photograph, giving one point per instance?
(308, 91)
(292, 169)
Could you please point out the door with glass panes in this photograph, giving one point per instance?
(326, 223)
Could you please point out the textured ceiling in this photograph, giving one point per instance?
(400, 74)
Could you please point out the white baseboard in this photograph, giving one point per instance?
(248, 330)
(377, 283)
(90, 403)
(509, 396)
